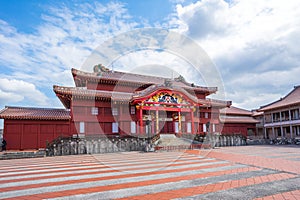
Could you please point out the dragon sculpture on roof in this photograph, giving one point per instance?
(99, 69)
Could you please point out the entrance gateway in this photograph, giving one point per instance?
(166, 111)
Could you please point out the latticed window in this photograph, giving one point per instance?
(189, 127)
(94, 111)
(81, 127)
(132, 110)
(206, 115)
(133, 127)
(204, 128)
(114, 111)
(115, 127)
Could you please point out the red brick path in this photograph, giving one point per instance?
(165, 175)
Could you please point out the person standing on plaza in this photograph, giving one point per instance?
(4, 143)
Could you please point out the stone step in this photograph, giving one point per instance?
(172, 140)
(6, 155)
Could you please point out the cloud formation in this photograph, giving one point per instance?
(253, 43)
(32, 62)
(13, 91)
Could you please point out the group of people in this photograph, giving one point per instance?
(3, 146)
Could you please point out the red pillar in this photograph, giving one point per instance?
(157, 121)
(179, 123)
(192, 120)
(152, 124)
(141, 120)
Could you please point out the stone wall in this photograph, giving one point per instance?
(95, 146)
(219, 140)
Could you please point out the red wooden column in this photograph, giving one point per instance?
(179, 123)
(120, 113)
(141, 120)
(152, 124)
(192, 120)
(157, 121)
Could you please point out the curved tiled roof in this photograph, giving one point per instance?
(292, 98)
(34, 113)
(64, 92)
(141, 79)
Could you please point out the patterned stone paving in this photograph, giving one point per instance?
(246, 172)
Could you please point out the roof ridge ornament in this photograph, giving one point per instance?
(168, 83)
(99, 69)
(180, 78)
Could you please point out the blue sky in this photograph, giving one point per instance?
(254, 44)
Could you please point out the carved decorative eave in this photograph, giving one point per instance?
(148, 92)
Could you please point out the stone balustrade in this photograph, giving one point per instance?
(73, 146)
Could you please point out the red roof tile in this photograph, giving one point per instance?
(292, 98)
(236, 115)
(256, 113)
(247, 120)
(63, 92)
(235, 111)
(34, 113)
(141, 79)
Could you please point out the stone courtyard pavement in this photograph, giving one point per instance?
(246, 172)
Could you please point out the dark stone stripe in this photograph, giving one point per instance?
(127, 192)
(252, 191)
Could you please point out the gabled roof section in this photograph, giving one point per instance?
(236, 115)
(121, 77)
(256, 113)
(239, 120)
(290, 99)
(34, 113)
(235, 111)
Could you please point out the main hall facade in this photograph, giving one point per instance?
(107, 102)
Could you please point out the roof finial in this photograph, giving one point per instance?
(100, 68)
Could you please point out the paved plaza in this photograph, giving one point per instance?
(245, 172)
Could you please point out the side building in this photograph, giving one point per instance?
(281, 118)
(238, 121)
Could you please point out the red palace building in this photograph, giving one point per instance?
(114, 103)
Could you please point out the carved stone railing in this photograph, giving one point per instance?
(73, 146)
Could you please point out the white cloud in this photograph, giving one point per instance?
(32, 62)
(15, 91)
(204, 18)
(250, 41)
(253, 43)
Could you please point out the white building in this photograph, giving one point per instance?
(281, 118)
